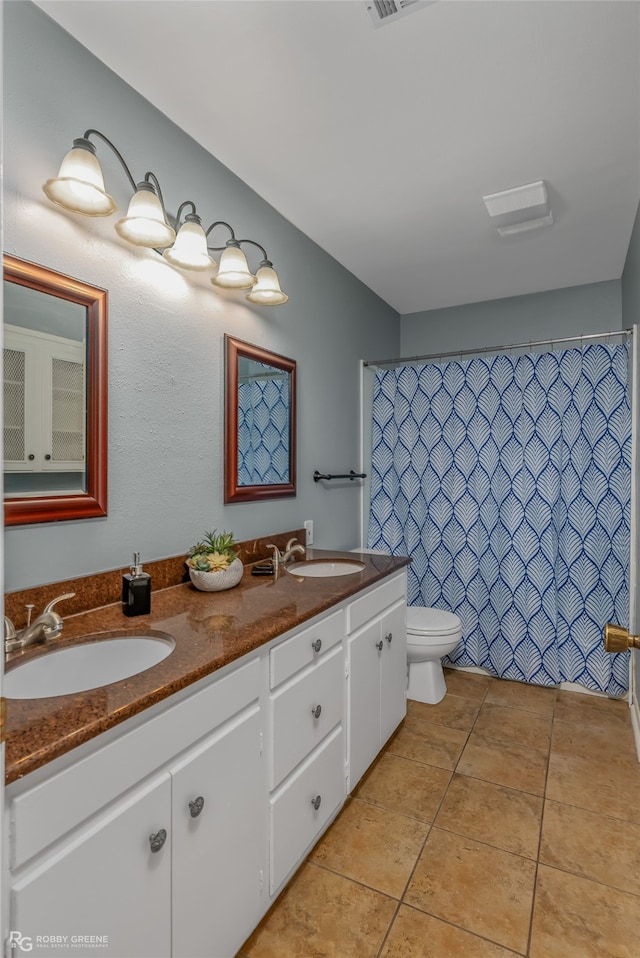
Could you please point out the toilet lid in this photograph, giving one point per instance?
(422, 621)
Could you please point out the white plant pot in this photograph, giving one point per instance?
(217, 581)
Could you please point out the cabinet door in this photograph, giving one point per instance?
(107, 882)
(219, 842)
(365, 652)
(393, 677)
(63, 413)
(22, 402)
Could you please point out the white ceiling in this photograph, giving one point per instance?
(380, 143)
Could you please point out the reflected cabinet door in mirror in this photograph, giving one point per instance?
(260, 424)
(55, 396)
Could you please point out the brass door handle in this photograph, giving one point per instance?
(617, 639)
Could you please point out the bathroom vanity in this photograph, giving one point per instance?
(171, 832)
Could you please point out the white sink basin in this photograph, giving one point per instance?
(325, 567)
(88, 665)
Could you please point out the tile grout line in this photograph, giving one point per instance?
(544, 805)
(432, 825)
(402, 901)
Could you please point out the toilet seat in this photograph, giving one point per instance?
(431, 622)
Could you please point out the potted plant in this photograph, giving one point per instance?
(213, 563)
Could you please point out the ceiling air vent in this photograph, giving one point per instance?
(384, 11)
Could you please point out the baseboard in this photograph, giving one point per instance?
(634, 706)
(635, 724)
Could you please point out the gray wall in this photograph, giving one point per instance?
(631, 278)
(165, 331)
(573, 311)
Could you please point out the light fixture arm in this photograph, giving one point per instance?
(181, 208)
(265, 258)
(150, 177)
(115, 151)
(217, 249)
(236, 242)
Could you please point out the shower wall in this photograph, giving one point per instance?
(573, 311)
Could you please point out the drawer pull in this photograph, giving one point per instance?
(317, 645)
(380, 645)
(316, 802)
(157, 840)
(316, 711)
(196, 806)
(389, 637)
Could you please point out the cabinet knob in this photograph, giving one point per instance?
(31, 457)
(316, 802)
(317, 645)
(196, 806)
(389, 637)
(316, 711)
(48, 456)
(380, 645)
(157, 840)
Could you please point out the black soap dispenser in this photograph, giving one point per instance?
(136, 590)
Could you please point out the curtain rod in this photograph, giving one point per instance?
(495, 349)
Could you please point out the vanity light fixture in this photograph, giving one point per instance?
(79, 187)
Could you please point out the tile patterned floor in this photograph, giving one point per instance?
(503, 821)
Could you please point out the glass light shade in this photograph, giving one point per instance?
(144, 224)
(190, 249)
(234, 270)
(267, 290)
(79, 186)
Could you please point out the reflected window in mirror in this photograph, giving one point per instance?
(55, 395)
(260, 418)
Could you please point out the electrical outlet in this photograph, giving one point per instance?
(308, 525)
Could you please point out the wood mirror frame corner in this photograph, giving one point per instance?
(235, 349)
(93, 502)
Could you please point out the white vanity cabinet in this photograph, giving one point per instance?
(307, 709)
(377, 667)
(173, 833)
(157, 840)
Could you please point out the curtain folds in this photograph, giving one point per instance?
(507, 480)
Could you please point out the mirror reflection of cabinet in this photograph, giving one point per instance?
(55, 395)
(44, 417)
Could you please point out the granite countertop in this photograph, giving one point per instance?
(211, 629)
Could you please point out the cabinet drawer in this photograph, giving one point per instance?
(290, 656)
(295, 728)
(42, 814)
(295, 822)
(372, 604)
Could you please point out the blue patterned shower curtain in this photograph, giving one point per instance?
(507, 479)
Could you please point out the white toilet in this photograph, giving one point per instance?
(431, 634)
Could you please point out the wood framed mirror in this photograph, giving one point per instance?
(55, 396)
(260, 423)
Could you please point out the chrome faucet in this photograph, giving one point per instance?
(46, 626)
(281, 558)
